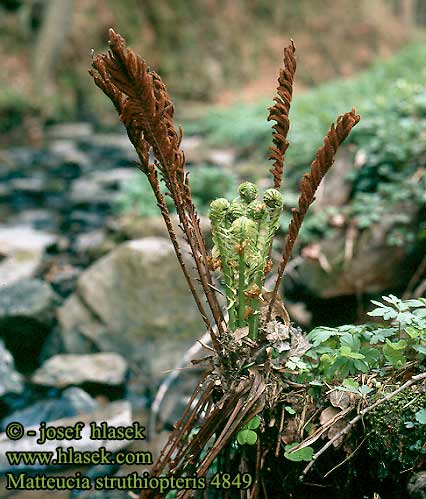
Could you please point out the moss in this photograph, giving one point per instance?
(395, 439)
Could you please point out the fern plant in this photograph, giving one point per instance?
(241, 382)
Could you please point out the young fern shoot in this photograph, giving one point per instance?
(243, 231)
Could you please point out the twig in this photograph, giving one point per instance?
(348, 427)
(168, 381)
(421, 269)
(351, 455)
(278, 446)
(419, 291)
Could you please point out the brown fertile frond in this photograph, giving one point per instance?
(323, 161)
(146, 111)
(279, 112)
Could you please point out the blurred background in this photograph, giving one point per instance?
(93, 309)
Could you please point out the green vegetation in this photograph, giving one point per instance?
(390, 140)
(207, 183)
(351, 350)
(397, 436)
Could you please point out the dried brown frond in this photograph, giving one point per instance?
(146, 111)
(323, 161)
(184, 456)
(279, 112)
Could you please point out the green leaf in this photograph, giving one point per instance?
(348, 353)
(412, 332)
(350, 383)
(254, 423)
(304, 454)
(248, 437)
(420, 348)
(414, 303)
(421, 416)
(320, 335)
(394, 356)
(392, 299)
(365, 390)
(379, 335)
(289, 409)
(399, 345)
(361, 365)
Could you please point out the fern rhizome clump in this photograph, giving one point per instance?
(255, 413)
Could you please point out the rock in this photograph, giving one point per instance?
(73, 402)
(93, 244)
(22, 249)
(21, 265)
(134, 301)
(194, 147)
(115, 178)
(69, 369)
(83, 220)
(68, 153)
(417, 486)
(114, 414)
(27, 312)
(24, 238)
(29, 300)
(222, 157)
(10, 380)
(33, 186)
(111, 141)
(80, 329)
(86, 191)
(196, 152)
(63, 278)
(39, 219)
(373, 267)
(101, 187)
(52, 345)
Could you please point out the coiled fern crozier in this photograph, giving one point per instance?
(243, 231)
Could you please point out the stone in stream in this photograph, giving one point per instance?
(69, 369)
(22, 249)
(115, 414)
(70, 131)
(27, 313)
(10, 380)
(73, 402)
(134, 301)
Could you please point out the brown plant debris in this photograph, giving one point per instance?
(279, 113)
(323, 161)
(141, 98)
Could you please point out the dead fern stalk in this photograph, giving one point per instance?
(279, 113)
(323, 161)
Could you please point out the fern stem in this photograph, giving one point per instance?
(241, 287)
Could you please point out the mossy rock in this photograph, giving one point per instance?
(395, 438)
